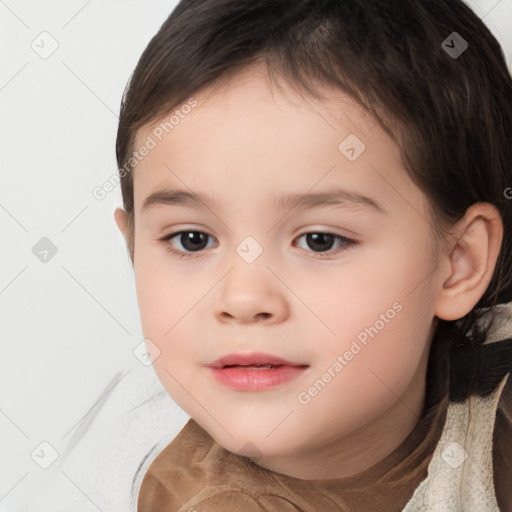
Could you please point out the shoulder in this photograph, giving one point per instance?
(194, 473)
(224, 498)
(157, 495)
(502, 448)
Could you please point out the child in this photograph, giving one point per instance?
(342, 335)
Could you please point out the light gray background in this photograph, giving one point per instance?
(69, 324)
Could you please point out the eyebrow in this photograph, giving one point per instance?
(336, 197)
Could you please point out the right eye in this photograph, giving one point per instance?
(190, 240)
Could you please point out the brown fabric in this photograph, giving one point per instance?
(195, 474)
(502, 449)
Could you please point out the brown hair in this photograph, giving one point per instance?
(450, 115)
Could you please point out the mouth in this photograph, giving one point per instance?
(253, 366)
(254, 360)
(255, 372)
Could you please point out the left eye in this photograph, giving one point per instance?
(325, 241)
(194, 241)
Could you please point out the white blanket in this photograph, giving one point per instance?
(132, 421)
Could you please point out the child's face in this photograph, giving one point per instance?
(360, 318)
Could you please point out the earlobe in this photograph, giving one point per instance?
(120, 218)
(471, 261)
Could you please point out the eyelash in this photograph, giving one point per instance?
(347, 243)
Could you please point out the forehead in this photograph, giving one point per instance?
(251, 94)
(246, 131)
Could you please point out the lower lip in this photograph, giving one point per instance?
(256, 380)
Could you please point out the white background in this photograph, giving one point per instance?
(70, 324)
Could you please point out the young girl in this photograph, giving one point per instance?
(341, 336)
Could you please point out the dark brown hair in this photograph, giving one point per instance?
(450, 115)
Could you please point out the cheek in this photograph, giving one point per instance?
(374, 373)
(164, 293)
(166, 304)
(172, 306)
(370, 282)
(381, 313)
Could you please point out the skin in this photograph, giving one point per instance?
(245, 144)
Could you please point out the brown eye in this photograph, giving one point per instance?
(190, 241)
(193, 240)
(320, 242)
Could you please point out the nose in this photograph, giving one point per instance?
(250, 294)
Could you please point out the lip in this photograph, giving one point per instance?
(252, 358)
(253, 379)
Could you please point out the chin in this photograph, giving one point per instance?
(254, 444)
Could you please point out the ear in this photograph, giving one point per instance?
(469, 260)
(120, 218)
